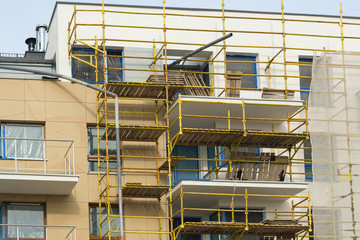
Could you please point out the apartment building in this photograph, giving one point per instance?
(214, 145)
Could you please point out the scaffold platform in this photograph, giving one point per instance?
(136, 133)
(144, 191)
(222, 137)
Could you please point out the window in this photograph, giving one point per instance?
(305, 70)
(200, 64)
(85, 72)
(23, 149)
(308, 157)
(95, 220)
(93, 148)
(22, 213)
(246, 65)
(188, 152)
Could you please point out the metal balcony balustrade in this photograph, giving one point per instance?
(33, 150)
(28, 231)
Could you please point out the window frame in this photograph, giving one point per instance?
(28, 204)
(111, 50)
(176, 174)
(94, 158)
(3, 147)
(304, 59)
(96, 205)
(243, 55)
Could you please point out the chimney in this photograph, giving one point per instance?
(40, 37)
(31, 42)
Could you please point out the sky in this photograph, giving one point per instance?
(19, 18)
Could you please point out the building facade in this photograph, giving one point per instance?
(214, 146)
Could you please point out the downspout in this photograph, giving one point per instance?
(117, 129)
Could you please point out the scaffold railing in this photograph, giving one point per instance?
(293, 220)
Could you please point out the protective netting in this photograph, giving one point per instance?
(334, 112)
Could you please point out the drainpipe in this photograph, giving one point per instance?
(117, 129)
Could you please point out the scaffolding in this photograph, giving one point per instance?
(334, 109)
(154, 117)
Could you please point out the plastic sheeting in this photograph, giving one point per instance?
(335, 138)
(25, 214)
(27, 149)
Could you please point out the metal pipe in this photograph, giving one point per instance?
(118, 153)
(40, 37)
(190, 54)
(57, 75)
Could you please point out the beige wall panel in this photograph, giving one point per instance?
(65, 112)
(34, 111)
(15, 89)
(35, 198)
(70, 131)
(35, 90)
(153, 225)
(82, 233)
(65, 92)
(13, 197)
(81, 163)
(135, 236)
(90, 95)
(62, 198)
(92, 187)
(36, 167)
(81, 188)
(12, 110)
(68, 213)
(56, 161)
(91, 113)
(7, 165)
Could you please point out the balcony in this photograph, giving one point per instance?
(238, 209)
(27, 231)
(37, 166)
(212, 121)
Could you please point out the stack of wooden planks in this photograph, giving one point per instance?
(277, 94)
(172, 78)
(194, 79)
(194, 84)
(233, 83)
(258, 167)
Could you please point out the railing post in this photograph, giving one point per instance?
(243, 117)
(44, 156)
(16, 165)
(307, 117)
(65, 164)
(232, 211)
(17, 231)
(182, 206)
(246, 211)
(229, 119)
(288, 122)
(69, 156)
(180, 117)
(46, 233)
(73, 156)
(292, 210)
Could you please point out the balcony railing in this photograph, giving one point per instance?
(31, 155)
(28, 231)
